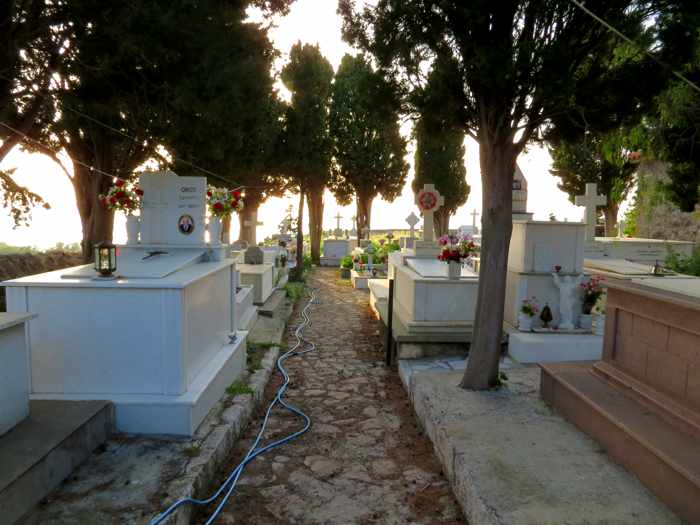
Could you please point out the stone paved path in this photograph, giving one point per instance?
(364, 460)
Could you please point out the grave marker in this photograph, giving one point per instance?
(591, 200)
(429, 201)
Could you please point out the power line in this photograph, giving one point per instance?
(637, 45)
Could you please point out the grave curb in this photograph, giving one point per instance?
(200, 472)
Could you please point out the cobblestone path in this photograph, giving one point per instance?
(364, 460)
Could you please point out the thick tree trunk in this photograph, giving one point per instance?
(249, 215)
(364, 213)
(610, 212)
(300, 233)
(96, 220)
(314, 198)
(441, 223)
(497, 168)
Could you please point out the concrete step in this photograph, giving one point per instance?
(43, 450)
(664, 456)
(272, 304)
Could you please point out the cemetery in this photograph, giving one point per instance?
(413, 269)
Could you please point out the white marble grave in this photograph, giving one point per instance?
(159, 341)
(260, 277)
(334, 250)
(14, 372)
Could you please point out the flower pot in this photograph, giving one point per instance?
(454, 270)
(215, 226)
(345, 273)
(524, 322)
(585, 321)
(599, 327)
(132, 229)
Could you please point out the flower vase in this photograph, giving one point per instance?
(524, 322)
(454, 270)
(215, 226)
(599, 327)
(132, 229)
(586, 322)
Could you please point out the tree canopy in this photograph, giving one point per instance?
(368, 149)
(439, 134)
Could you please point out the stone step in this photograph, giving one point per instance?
(664, 456)
(273, 303)
(43, 450)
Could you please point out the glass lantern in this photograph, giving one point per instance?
(105, 259)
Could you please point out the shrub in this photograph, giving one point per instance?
(295, 290)
(346, 262)
(686, 265)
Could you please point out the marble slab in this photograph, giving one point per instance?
(432, 268)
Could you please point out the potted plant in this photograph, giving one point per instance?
(221, 202)
(125, 196)
(346, 264)
(455, 249)
(599, 313)
(529, 308)
(592, 290)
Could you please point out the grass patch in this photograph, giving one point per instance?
(254, 359)
(237, 388)
(193, 451)
(295, 290)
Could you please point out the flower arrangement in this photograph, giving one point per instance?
(530, 307)
(592, 290)
(223, 202)
(456, 247)
(123, 196)
(599, 308)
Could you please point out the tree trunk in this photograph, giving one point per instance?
(497, 168)
(96, 220)
(364, 213)
(441, 223)
(314, 198)
(300, 233)
(610, 212)
(249, 214)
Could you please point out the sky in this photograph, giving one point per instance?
(309, 21)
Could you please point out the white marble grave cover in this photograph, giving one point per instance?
(434, 268)
(174, 209)
(134, 264)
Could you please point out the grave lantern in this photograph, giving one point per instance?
(105, 259)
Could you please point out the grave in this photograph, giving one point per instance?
(641, 402)
(158, 339)
(14, 373)
(334, 250)
(254, 272)
(519, 191)
(246, 311)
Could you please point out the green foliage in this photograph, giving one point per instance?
(346, 262)
(238, 388)
(686, 265)
(439, 133)
(192, 451)
(368, 149)
(295, 290)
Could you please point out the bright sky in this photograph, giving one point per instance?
(311, 21)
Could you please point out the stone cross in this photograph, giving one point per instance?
(365, 232)
(252, 226)
(591, 200)
(429, 201)
(412, 220)
(474, 215)
(338, 232)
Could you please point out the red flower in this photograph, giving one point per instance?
(119, 183)
(218, 206)
(237, 194)
(139, 192)
(208, 194)
(112, 200)
(120, 195)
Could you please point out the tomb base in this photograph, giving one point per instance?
(330, 261)
(14, 373)
(260, 277)
(246, 311)
(172, 414)
(527, 347)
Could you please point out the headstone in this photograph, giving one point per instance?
(240, 245)
(591, 200)
(429, 201)
(254, 255)
(519, 190)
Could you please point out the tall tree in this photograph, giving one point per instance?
(306, 145)
(439, 133)
(520, 63)
(599, 160)
(368, 149)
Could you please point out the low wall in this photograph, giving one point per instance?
(18, 265)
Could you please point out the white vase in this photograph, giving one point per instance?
(215, 226)
(132, 229)
(454, 270)
(599, 327)
(524, 322)
(585, 321)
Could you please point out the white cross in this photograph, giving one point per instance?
(412, 220)
(337, 218)
(474, 215)
(428, 233)
(252, 225)
(591, 200)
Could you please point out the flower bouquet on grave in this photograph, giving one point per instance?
(592, 291)
(223, 202)
(123, 196)
(455, 249)
(529, 308)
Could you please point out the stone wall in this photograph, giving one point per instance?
(19, 265)
(658, 218)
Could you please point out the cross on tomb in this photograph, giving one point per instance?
(474, 215)
(412, 220)
(252, 225)
(591, 200)
(365, 232)
(429, 201)
(338, 232)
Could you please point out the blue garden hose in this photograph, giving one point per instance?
(230, 484)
